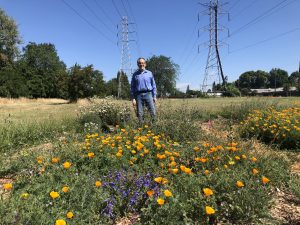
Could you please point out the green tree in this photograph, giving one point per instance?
(112, 87)
(113, 84)
(187, 89)
(253, 80)
(294, 79)
(44, 71)
(12, 84)
(278, 77)
(286, 88)
(9, 39)
(232, 91)
(261, 79)
(85, 82)
(165, 73)
(125, 86)
(98, 84)
(245, 80)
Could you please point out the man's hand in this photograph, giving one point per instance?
(133, 102)
(154, 99)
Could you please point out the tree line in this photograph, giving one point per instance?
(276, 78)
(37, 71)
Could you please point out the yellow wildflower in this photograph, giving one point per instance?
(7, 186)
(161, 156)
(150, 193)
(39, 160)
(164, 181)
(70, 215)
(65, 189)
(54, 194)
(98, 183)
(24, 195)
(196, 149)
(182, 167)
(91, 155)
(119, 154)
(254, 159)
(60, 222)
(265, 180)
(55, 160)
(207, 192)
(240, 184)
(158, 179)
(255, 171)
(209, 210)
(160, 201)
(187, 170)
(168, 193)
(173, 163)
(173, 171)
(67, 165)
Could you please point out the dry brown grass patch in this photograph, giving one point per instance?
(27, 100)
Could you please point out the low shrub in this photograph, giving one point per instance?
(102, 113)
(273, 126)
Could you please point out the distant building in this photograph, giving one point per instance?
(215, 94)
(271, 90)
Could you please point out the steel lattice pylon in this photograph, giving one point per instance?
(125, 54)
(213, 69)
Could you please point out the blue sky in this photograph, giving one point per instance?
(263, 36)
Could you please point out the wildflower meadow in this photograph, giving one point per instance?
(193, 166)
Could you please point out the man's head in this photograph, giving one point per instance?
(141, 62)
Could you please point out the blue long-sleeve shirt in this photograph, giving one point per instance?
(142, 81)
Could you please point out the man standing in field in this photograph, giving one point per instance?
(143, 91)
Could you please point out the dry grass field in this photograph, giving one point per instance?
(37, 110)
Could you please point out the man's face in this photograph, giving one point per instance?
(141, 64)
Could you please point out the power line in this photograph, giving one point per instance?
(103, 11)
(186, 47)
(116, 8)
(247, 7)
(126, 13)
(137, 30)
(258, 18)
(234, 4)
(194, 59)
(90, 24)
(266, 40)
(99, 19)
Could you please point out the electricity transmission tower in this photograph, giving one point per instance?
(125, 53)
(213, 69)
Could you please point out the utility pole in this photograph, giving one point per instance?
(125, 53)
(213, 70)
(275, 82)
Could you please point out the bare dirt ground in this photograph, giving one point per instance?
(286, 208)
